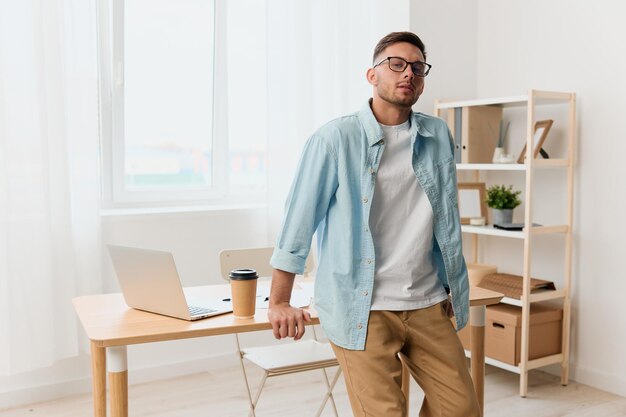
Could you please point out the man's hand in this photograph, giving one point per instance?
(288, 321)
(447, 307)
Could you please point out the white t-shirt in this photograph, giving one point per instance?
(401, 223)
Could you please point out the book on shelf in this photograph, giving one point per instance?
(475, 131)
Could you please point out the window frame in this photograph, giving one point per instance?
(110, 18)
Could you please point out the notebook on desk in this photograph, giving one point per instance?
(150, 282)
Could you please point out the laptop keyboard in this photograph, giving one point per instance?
(197, 311)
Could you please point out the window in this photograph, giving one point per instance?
(183, 101)
(247, 94)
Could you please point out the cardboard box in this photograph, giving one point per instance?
(503, 332)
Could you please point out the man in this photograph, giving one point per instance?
(379, 188)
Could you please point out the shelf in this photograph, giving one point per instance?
(511, 301)
(551, 163)
(537, 163)
(515, 234)
(546, 230)
(537, 296)
(514, 101)
(546, 360)
(491, 231)
(541, 97)
(480, 115)
(491, 167)
(532, 364)
(496, 363)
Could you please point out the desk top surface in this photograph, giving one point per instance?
(108, 321)
(484, 297)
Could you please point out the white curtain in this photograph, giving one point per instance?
(318, 53)
(49, 187)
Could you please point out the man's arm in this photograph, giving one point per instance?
(287, 321)
(313, 187)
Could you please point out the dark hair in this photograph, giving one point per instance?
(395, 37)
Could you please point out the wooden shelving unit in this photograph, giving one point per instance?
(530, 101)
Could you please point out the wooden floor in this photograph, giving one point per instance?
(222, 395)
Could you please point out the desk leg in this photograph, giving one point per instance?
(118, 380)
(99, 380)
(477, 345)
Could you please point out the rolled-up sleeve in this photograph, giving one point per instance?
(312, 190)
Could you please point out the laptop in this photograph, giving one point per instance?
(150, 282)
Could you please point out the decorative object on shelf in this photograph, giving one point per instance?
(497, 154)
(501, 216)
(499, 157)
(477, 221)
(502, 200)
(513, 226)
(512, 285)
(472, 201)
(541, 130)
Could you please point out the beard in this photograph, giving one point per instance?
(402, 100)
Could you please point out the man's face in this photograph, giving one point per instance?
(400, 89)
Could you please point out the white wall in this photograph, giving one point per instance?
(195, 239)
(576, 46)
(448, 29)
(330, 49)
(493, 48)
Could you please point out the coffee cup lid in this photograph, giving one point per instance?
(243, 274)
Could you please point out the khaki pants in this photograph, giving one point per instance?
(432, 351)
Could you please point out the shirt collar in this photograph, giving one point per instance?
(375, 133)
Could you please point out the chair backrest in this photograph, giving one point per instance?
(256, 258)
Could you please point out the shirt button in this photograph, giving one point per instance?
(365, 293)
(365, 200)
(359, 326)
(367, 230)
(369, 261)
(372, 171)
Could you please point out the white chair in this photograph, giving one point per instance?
(283, 359)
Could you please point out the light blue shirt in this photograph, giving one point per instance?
(331, 195)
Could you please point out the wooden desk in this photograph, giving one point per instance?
(480, 298)
(111, 326)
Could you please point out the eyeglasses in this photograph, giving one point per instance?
(397, 64)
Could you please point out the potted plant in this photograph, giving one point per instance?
(502, 201)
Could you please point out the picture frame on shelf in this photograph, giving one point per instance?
(540, 133)
(472, 204)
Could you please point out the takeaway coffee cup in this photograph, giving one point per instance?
(243, 287)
